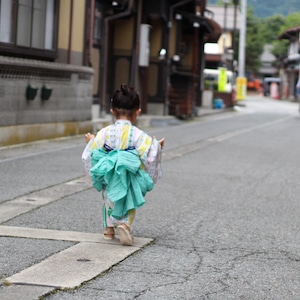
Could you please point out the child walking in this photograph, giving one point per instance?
(124, 163)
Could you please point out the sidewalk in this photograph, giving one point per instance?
(145, 121)
(22, 134)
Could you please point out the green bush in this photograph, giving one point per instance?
(211, 85)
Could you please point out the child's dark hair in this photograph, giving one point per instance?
(125, 100)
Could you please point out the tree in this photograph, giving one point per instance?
(280, 47)
(271, 27)
(254, 41)
(292, 20)
(266, 31)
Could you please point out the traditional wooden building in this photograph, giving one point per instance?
(61, 60)
(157, 46)
(45, 89)
(290, 68)
(223, 52)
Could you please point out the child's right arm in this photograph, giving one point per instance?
(153, 161)
(86, 154)
(162, 142)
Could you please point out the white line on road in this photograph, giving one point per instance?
(73, 266)
(235, 133)
(69, 268)
(192, 147)
(15, 207)
(61, 235)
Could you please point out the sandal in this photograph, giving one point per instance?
(125, 235)
(109, 233)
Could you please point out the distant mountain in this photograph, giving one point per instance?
(267, 8)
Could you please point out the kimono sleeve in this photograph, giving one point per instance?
(149, 150)
(86, 156)
(153, 162)
(95, 143)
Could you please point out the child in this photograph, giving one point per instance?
(124, 163)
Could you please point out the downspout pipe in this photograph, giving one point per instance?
(70, 32)
(104, 63)
(233, 46)
(172, 8)
(137, 43)
(88, 33)
(92, 12)
(201, 57)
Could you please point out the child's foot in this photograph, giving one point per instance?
(125, 234)
(109, 233)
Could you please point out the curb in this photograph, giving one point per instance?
(23, 134)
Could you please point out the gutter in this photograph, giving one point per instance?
(107, 20)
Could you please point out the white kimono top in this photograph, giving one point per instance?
(123, 135)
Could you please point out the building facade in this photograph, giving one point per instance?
(290, 67)
(61, 60)
(157, 46)
(223, 52)
(45, 89)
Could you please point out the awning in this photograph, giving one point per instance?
(290, 33)
(215, 31)
(212, 29)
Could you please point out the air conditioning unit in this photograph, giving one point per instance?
(144, 45)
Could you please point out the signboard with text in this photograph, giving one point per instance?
(222, 80)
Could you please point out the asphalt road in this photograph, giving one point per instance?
(223, 223)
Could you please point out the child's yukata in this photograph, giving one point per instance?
(124, 162)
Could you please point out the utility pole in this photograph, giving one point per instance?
(241, 81)
(242, 40)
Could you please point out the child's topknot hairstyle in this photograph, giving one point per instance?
(125, 99)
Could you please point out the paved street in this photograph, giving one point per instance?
(223, 223)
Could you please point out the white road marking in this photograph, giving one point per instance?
(192, 147)
(73, 266)
(235, 133)
(60, 235)
(15, 207)
(69, 268)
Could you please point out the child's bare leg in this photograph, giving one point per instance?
(109, 228)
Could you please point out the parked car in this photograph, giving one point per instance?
(211, 77)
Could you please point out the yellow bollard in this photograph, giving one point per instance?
(241, 88)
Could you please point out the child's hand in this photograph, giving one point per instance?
(162, 142)
(88, 137)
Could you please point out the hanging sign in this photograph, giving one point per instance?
(222, 80)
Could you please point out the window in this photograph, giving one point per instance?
(6, 15)
(28, 23)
